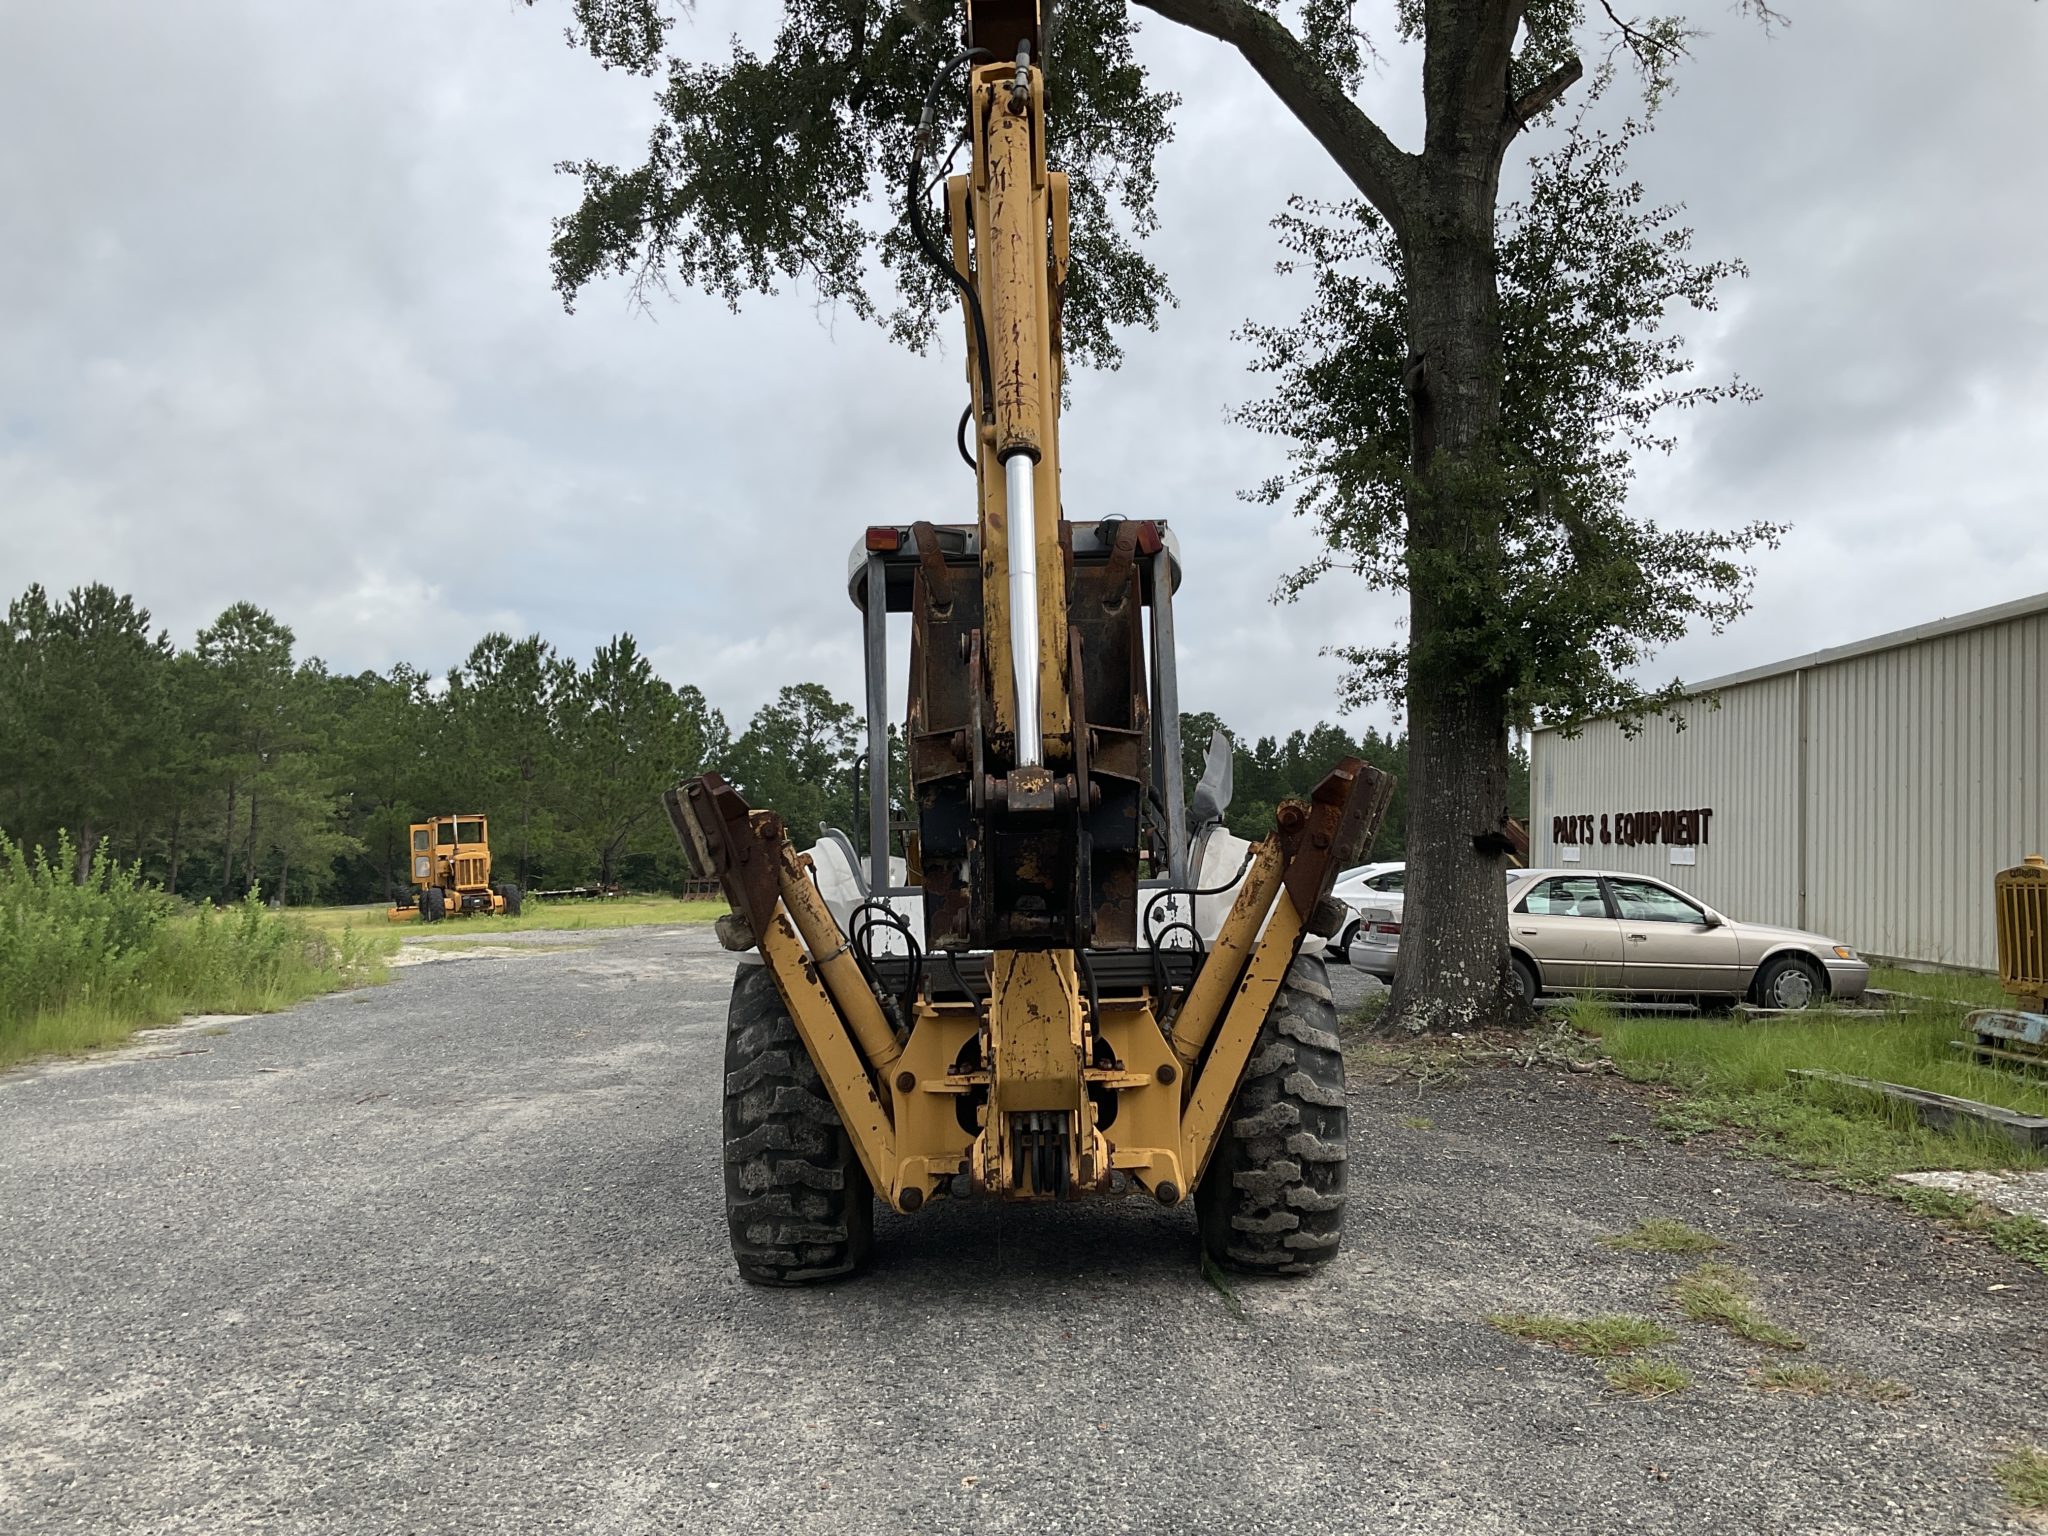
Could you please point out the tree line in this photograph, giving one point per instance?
(237, 763)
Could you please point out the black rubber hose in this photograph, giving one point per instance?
(913, 210)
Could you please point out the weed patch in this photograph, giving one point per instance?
(1601, 1338)
(1661, 1234)
(85, 964)
(2024, 1476)
(1220, 1283)
(1724, 1295)
(1732, 1076)
(1648, 1378)
(2024, 1237)
(1803, 1379)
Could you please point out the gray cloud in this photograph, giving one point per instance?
(279, 327)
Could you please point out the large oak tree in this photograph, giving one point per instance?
(768, 167)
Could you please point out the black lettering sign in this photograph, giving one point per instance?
(1633, 829)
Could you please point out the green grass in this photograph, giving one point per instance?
(1725, 1296)
(84, 965)
(1661, 1234)
(1733, 1074)
(1804, 1379)
(1967, 989)
(2024, 1237)
(1601, 1338)
(2024, 1475)
(548, 916)
(1648, 1378)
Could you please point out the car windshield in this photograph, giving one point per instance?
(469, 831)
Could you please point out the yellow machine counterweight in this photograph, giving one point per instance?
(1062, 990)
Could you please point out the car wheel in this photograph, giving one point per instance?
(1790, 982)
(1342, 953)
(1525, 979)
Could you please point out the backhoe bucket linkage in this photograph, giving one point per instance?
(1036, 1084)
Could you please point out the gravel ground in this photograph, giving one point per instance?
(449, 1256)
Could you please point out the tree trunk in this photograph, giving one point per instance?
(1452, 972)
(227, 851)
(171, 878)
(81, 860)
(255, 820)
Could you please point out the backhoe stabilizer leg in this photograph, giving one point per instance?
(1292, 872)
(835, 1011)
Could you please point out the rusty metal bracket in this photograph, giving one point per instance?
(938, 580)
(725, 840)
(1332, 831)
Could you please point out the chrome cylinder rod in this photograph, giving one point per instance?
(1021, 491)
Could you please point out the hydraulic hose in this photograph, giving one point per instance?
(913, 211)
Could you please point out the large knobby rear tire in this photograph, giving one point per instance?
(1272, 1198)
(797, 1200)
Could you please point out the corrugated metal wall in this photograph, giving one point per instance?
(1921, 774)
(1741, 761)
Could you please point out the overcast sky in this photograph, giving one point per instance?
(278, 326)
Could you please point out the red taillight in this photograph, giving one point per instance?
(1386, 927)
(885, 541)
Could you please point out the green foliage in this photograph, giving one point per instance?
(1601, 1338)
(2023, 1473)
(1648, 1378)
(2024, 1237)
(1582, 591)
(1662, 1234)
(84, 962)
(800, 756)
(790, 166)
(1804, 1379)
(1726, 1296)
(1734, 1075)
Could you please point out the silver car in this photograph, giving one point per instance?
(1572, 930)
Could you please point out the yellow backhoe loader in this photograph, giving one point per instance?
(1062, 991)
(451, 873)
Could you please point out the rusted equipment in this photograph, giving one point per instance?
(1031, 1003)
(2017, 1036)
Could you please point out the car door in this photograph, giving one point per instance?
(1565, 922)
(1669, 944)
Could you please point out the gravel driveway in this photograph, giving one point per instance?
(448, 1255)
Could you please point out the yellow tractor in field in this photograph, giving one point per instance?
(451, 872)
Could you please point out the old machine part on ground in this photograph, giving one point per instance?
(1062, 990)
(2018, 1036)
(451, 872)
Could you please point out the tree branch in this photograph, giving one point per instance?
(1545, 92)
(1374, 163)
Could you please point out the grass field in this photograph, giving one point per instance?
(548, 916)
(86, 964)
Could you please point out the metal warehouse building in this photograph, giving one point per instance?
(1869, 792)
